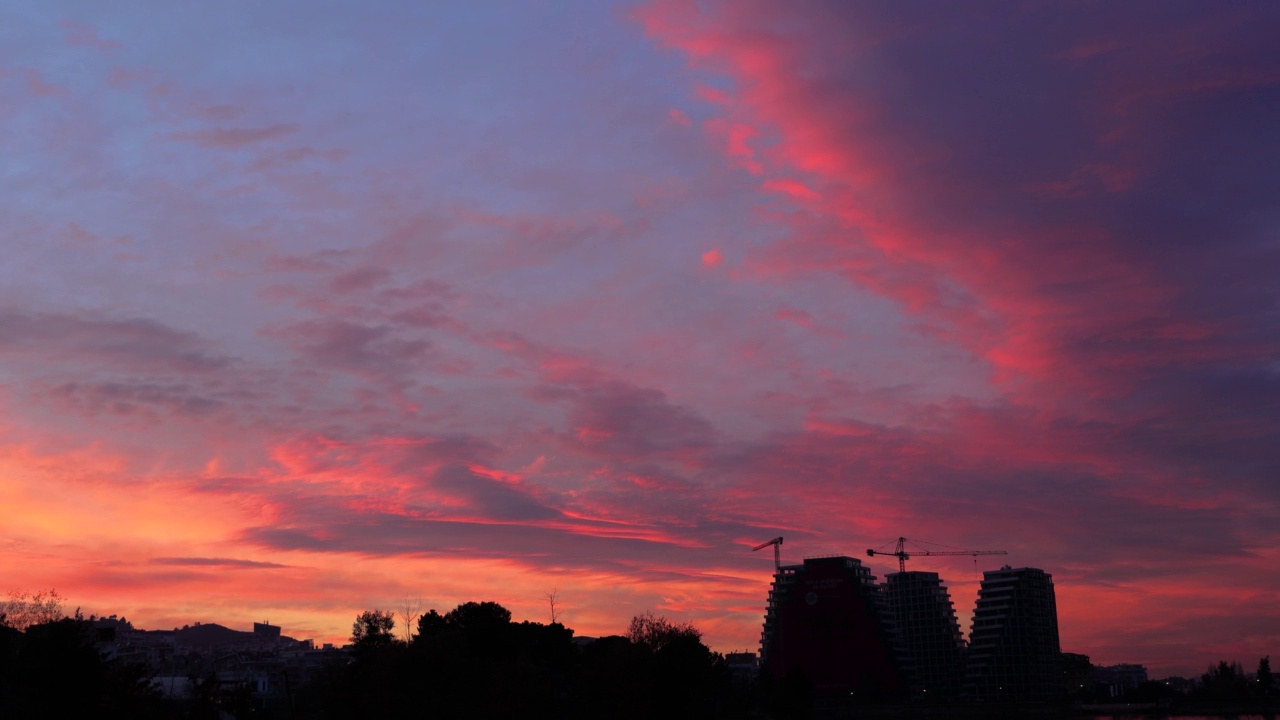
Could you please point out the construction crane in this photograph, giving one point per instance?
(901, 553)
(777, 554)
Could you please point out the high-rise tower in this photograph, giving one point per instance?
(930, 635)
(827, 619)
(1013, 649)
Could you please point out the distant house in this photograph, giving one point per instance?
(1116, 680)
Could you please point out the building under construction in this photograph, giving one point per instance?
(829, 620)
(933, 649)
(1014, 653)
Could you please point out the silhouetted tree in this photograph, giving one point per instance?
(1226, 681)
(473, 661)
(55, 670)
(689, 674)
(410, 610)
(372, 628)
(1263, 676)
(478, 616)
(482, 626)
(660, 669)
(544, 645)
(21, 609)
(656, 632)
(553, 599)
(430, 624)
(375, 684)
(616, 679)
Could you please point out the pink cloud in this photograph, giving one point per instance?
(126, 79)
(234, 138)
(792, 188)
(829, 138)
(737, 142)
(82, 35)
(38, 86)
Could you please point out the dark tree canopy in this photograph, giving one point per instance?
(483, 628)
(656, 632)
(55, 669)
(429, 625)
(1226, 681)
(478, 616)
(475, 662)
(372, 628)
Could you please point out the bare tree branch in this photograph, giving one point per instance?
(20, 610)
(410, 611)
(553, 598)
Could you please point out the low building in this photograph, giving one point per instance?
(1117, 680)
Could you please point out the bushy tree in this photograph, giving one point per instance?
(478, 616)
(682, 674)
(483, 628)
(372, 628)
(430, 624)
(1226, 681)
(656, 632)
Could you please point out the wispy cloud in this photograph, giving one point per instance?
(225, 138)
(228, 563)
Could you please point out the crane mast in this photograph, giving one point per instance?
(900, 552)
(777, 554)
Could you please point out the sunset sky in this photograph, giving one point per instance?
(308, 308)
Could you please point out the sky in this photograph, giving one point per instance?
(308, 308)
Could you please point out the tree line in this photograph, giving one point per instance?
(474, 661)
(54, 668)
